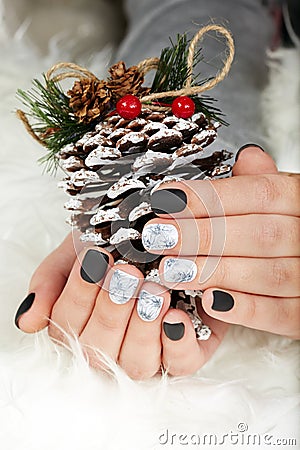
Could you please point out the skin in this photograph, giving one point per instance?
(261, 272)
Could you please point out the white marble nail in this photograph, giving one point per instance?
(177, 270)
(159, 236)
(149, 306)
(122, 287)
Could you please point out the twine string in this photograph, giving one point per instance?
(64, 70)
(192, 90)
(75, 71)
(22, 116)
(147, 64)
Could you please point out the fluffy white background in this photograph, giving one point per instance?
(49, 398)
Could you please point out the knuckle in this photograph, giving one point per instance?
(204, 237)
(293, 233)
(107, 322)
(284, 315)
(146, 341)
(266, 192)
(207, 197)
(214, 203)
(288, 317)
(280, 273)
(268, 233)
(250, 314)
(223, 272)
(81, 302)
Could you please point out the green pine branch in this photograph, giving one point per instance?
(52, 118)
(173, 71)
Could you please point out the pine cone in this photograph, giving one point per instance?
(112, 171)
(89, 98)
(124, 156)
(124, 81)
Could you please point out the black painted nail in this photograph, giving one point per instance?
(24, 307)
(222, 301)
(243, 148)
(174, 331)
(168, 201)
(94, 266)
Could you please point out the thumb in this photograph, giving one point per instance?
(253, 160)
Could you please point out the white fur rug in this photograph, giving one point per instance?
(49, 398)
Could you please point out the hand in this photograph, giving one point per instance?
(76, 293)
(248, 226)
(86, 310)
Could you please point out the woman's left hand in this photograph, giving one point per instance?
(237, 239)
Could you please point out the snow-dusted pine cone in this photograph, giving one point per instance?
(112, 170)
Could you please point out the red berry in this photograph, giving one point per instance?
(129, 107)
(183, 107)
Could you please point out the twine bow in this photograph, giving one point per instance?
(151, 63)
(67, 70)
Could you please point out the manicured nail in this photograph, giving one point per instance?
(222, 301)
(159, 236)
(122, 287)
(178, 270)
(174, 331)
(244, 147)
(24, 307)
(168, 201)
(149, 306)
(94, 266)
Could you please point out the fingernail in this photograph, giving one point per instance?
(24, 307)
(94, 266)
(149, 306)
(174, 331)
(168, 201)
(178, 270)
(122, 287)
(222, 301)
(159, 236)
(244, 147)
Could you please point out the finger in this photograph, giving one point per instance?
(263, 276)
(140, 354)
(245, 194)
(183, 354)
(252, 160)
(45, 287)
(273, 314)
(75, 305)
(107, 325)
(252, 235)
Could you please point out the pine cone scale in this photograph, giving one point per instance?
(89, 99)
(123, 81)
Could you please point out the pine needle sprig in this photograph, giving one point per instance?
(172, 71)
(172, 74)
(53, 120)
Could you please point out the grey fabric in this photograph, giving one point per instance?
(152, 22)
